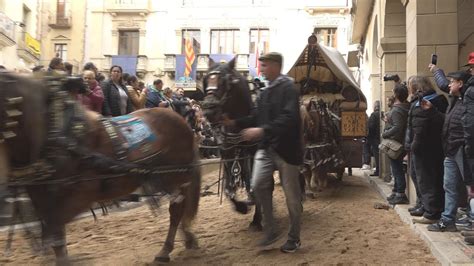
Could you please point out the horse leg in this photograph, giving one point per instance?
(190, 241)
(176, 210)
(315, 179)
(307, 175)
(324, 178)
(256, 224)
(54, 235)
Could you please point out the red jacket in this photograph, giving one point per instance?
(94, 100)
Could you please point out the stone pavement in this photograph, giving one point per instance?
(448, 248)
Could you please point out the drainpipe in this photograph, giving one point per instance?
(384, 167)
(85, 50)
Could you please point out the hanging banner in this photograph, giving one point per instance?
(33, 45)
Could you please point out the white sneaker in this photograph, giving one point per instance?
(365, 167)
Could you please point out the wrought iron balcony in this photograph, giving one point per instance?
(242, 63)
(61, 20)
(29, 48)
(7, 31)
(142, 66)
(202, 62)
(170, 65)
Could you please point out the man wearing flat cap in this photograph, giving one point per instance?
(276, 124)
(453, 146)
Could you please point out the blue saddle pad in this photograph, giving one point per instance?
(134, 130)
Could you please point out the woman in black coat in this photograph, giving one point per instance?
(427, 119)
(116, 99)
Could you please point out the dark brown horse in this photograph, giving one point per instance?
(228, 94)
(68, 158)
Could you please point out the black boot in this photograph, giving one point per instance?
(417, 212)
(400, 198)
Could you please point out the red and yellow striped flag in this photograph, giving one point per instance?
(189, 53)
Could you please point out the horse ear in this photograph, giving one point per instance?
(232, 63)
(211, 63)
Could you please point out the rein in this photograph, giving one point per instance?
(167, 169)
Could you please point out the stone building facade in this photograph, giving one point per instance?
(150, 35)
(20, 46)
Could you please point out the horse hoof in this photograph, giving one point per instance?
(255, 227)
(241, 207)
(162, 259)
(191, 244)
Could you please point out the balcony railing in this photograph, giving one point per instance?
(7, 31)
(242, 62)
(29, 48)
(128, 6)
(61, 20)
(142, 66)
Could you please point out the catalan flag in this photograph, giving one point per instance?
(190, 56)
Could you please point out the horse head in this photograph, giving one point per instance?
(227, 92)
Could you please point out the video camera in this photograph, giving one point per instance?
(394, 77)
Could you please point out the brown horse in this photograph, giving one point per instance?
(68, 158)
(320, 136)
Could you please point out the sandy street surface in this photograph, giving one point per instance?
(339, 227)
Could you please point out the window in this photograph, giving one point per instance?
(26, 18)
(327, 36)
(259, 40)
(61, 9)
(196, 37)
(128, 42)
(60, 50)
(224, 41)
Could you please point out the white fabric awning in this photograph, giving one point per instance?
(328, 65)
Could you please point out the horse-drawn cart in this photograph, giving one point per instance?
(335, 106)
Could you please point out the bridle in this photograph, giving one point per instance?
(215, 99)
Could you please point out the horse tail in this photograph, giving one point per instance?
(193, 192)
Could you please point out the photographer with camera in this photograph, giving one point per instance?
(453, 142)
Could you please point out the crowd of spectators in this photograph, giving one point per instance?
(437, 133)
(122, 93)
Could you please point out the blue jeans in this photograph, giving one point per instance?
(452, 182)
(265, 163)
(396, 166)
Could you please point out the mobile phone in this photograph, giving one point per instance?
(434, 59)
